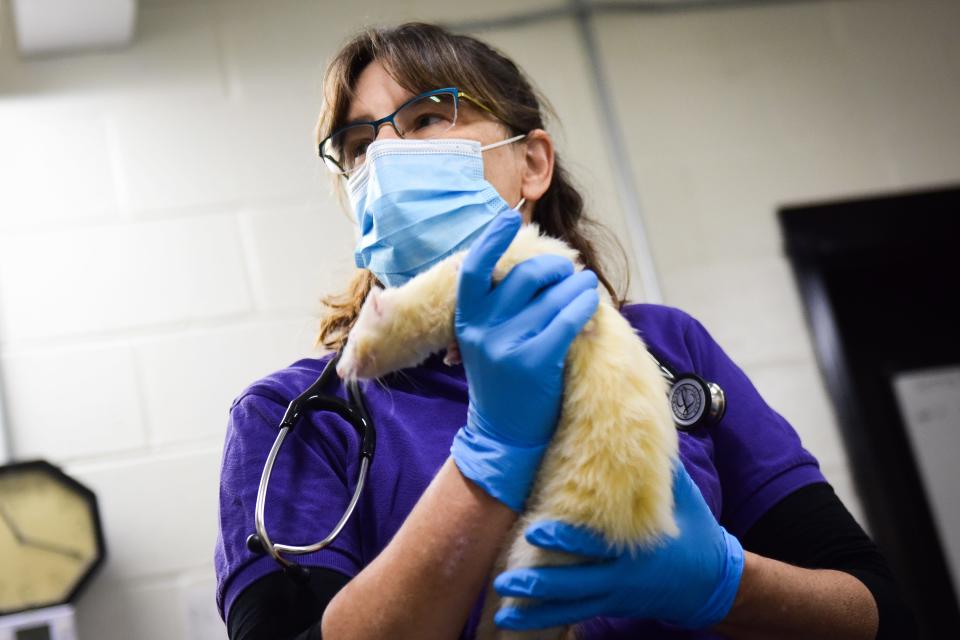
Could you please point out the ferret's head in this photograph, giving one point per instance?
(379, 342)
(363, 351)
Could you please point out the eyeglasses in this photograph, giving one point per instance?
(427, 115)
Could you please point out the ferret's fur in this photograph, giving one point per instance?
(609, 465)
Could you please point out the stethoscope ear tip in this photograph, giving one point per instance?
(255, 544)
(297, 573)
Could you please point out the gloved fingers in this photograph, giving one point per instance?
(680, 473)
(566, 582)
(686, 493)
(549, 614)
(568, 322)
(486, 250)
(557, 535)
(523, 282)
(551, 301)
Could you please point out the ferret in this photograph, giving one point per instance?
(609, 464)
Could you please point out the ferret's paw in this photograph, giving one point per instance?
(452, 356)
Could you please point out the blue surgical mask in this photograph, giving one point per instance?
(419, 201)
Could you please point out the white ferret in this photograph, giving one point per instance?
(609, 465)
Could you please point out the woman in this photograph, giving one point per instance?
(414, 559)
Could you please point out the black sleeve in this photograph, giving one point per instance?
(277, 608)
(811, 528)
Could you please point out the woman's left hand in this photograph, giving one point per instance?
(690, 580)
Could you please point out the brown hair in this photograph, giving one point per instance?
(420, 57)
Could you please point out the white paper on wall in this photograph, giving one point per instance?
(929, 402)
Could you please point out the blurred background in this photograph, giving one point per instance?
(166, 232)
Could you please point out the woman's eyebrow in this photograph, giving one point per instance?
(346, 122)
(364, 117)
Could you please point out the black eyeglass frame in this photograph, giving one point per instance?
(376, 124)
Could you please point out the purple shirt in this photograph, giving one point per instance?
(743, 465)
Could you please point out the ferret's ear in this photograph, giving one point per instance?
(375, 302)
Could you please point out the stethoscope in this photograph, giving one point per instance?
(695, 403)
(355, 412)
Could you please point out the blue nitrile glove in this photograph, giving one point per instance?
(513, 340)
(690, 580)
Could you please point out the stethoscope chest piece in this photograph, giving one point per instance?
(695, 402)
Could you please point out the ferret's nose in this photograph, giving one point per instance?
(347, 365)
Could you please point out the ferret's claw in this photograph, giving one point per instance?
(452, 356)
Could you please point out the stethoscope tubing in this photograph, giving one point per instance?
(355, 412)
(275, 549)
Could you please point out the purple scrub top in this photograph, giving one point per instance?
(743, 465)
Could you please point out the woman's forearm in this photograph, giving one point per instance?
(424, 583)
(426, 580)
(779, 600)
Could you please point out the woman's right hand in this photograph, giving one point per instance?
(690, 580)
(513, 340)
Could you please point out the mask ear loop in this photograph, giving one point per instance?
(494, 145)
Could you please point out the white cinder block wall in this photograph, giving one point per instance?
(732, 112)
(165, 229)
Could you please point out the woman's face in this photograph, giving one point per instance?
(521, 169)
